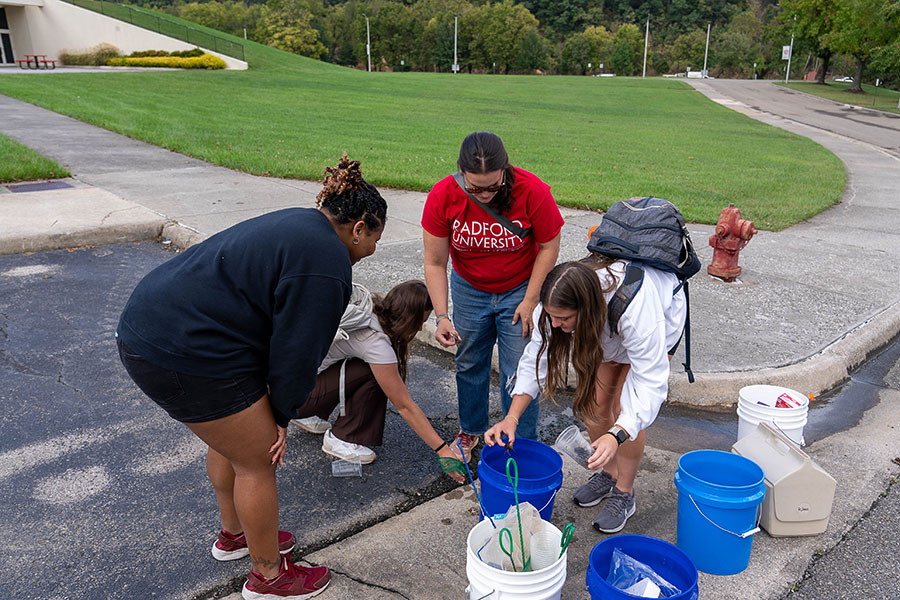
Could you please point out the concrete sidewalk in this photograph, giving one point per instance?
(813, 301)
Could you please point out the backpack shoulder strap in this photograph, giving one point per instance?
(494, 214)
(631, 283)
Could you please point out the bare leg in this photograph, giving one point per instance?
(624, 467)
(221, 474)
(244, 439)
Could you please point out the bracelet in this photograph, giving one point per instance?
(441, 316)
(514, 419)
(438, 449)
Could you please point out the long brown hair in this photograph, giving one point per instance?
(573, 286)
(401, 314)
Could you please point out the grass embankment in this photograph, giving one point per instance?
(594, 140)
(21, 163)
(878, 98)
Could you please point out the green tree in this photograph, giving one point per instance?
(688, 50)
(496, 29)
(230, 17)
(862, 27)
(533, 51)
(287, 25)
(814, 20)
(576, 54)
(627, 52)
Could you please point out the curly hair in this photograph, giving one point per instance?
(347, 196)
(482, 152)
(573, 286)
(401, 314)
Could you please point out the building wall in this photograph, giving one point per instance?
(58, 26)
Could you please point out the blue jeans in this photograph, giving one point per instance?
(483, 318)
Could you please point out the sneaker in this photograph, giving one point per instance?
(615, 512)
(598, 487)
(468, 443)
(312, 424)
(293, 583)
(233, 547)
(348, 451)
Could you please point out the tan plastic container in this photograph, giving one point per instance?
(799, 493)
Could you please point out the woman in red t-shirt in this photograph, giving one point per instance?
(496, 277)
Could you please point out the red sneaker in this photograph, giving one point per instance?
(293, 583)
(233, 547)
(468, 443)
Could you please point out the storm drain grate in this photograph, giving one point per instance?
(40, 186)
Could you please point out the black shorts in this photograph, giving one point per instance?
(189, 398)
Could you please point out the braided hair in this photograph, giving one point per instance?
(482, 152)
(349, 198)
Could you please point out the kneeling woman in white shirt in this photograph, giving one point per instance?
(374, 360)
(623, 375)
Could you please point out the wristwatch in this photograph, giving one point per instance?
(620, 434)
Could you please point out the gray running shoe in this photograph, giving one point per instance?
(596, 489)
(615, 512)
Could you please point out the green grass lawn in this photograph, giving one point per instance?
(878, 98)
(593, 140)
(21, 163)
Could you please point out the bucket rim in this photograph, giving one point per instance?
(634, 537)
(552, 454)
(765, 387)
(484, 523)
(722, 454)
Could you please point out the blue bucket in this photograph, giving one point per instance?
(719, 494)
(669, 562)
(540, 477)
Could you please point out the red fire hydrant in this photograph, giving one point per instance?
(732, 234)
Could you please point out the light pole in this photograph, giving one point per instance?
(646, 37)
(455, 68)
(790, 53)
(706, 53)
(368, 44)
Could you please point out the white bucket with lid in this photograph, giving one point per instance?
(490, 583)
(784, 408)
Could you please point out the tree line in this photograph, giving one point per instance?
(574, 37)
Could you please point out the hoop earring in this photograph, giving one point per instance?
(356, 240)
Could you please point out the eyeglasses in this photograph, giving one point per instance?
(474, 189)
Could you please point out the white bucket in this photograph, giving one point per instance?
(489, 583)
(757, 403)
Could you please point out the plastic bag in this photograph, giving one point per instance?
(625, 571)
(493, 554)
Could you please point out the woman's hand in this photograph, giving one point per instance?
(605, 448)
(523, 313)
(280, 446)
(453, 452)
(446, 334)
(505, 427)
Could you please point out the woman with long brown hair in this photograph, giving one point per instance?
(623, 375)
(373, 358)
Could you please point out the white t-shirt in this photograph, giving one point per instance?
(369, 344)
(650, 326)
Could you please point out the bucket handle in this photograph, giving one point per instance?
(488, 595)
(744, 535)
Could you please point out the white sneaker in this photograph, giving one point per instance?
(312, 424)
(346, 450)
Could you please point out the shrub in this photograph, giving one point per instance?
(145, 53)
(206, 61)
(96, 56)
(188, 53)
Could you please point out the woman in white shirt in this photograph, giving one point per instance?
(623, 376)
(374, 361)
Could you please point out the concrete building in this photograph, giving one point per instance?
(50, 27)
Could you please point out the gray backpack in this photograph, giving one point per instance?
(647, 231)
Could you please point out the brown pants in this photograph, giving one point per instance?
(365, 404)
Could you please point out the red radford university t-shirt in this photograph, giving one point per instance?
(484, 253)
